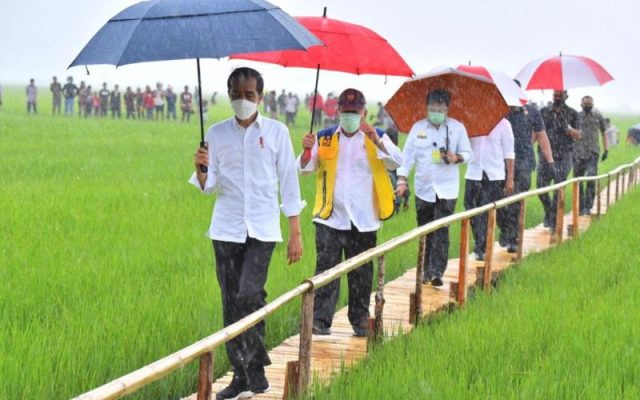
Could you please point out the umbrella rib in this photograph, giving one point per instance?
(193, 15)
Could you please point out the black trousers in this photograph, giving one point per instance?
(330, 246)
(507, 217)
(476, 194)
(437, 250)
(546, 177)
(586, 167)
(242, 269)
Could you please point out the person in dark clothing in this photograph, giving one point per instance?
(171, 99)
(116, 102)
(129, 103)
(56, 92)
(563, 128)
(69, 91)
(104, 94)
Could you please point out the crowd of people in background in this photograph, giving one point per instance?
(150, 104)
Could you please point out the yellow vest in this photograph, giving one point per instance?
(383, 194)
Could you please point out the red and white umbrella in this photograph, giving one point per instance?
(562, 73)
(512, 93)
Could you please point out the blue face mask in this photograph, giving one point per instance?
(350, 122)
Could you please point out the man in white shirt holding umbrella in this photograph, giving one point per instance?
(249, 157)
(436, 145)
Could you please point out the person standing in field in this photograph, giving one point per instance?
(290, 110)
(486, 180)
(563, 128)
(130, 103)
(158, 100)
(139, 103)
(0, 95)
(97, 107)
(88, 104)
(586, 152)
(149, 103)
(115, 102)
(56, 93)
(612, 133)
(32, 97)
(186, 104)
(436, 145)
(353, 194)
(104, 99)
(171, 98)
(70, 91)
(528, 128)
(250, 161)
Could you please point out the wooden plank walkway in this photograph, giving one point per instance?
(341, 349)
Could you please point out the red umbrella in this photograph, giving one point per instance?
(347, 48)
(562, 73)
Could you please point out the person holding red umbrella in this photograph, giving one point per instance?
(563, 129)
(353, 194)
(436, 145)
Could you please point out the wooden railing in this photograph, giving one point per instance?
(298, 372)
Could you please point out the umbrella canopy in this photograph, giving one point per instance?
(562, 73)
(158, 30)
(347, 48)
(511, 92)
(475, 100)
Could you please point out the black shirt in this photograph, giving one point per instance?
(524, 121)
(69, 90)
(557, 120)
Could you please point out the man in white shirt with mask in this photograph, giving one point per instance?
(249, 157)
(485, 178)
(436, 145)
(353, 194)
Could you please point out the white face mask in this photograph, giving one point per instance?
(244, 109)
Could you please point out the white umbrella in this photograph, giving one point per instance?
(562, 73)
(512, 93)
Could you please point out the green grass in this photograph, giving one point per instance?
(103, 260)
(564, 324)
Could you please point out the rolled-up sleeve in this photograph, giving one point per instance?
(392, 158)
(508, 141)
(408, 154)
(463, 146)
(292, 204)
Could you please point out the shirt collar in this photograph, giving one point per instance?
(258, 122)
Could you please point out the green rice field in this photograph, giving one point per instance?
(105, 268)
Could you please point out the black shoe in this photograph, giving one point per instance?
(586, 211)
(320, 329)
(479, 256)
(437, 282)
(502, 242)
(547, 221)
(512, 248)
(237, 389)
(360, 331)
(258, 382)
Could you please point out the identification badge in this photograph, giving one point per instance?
(436, 158)
(422, 135)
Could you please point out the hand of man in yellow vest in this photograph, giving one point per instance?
(308, 141)
(370, 131)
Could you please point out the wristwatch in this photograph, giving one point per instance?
(460, 159)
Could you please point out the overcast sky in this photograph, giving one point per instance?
(39, 38)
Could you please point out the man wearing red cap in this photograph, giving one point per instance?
(353, 194)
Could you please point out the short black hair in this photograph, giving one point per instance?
(438, 96)
(246, 72)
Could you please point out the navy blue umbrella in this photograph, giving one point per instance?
(158, 30)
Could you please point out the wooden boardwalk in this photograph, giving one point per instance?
(341, 349)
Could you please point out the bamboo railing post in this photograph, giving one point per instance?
(291, 377)
(560, 215)
(576, 209)
(521, 222)
(608, 191)
(415, 314)
(622, 185)
(617, 186)
(378, 328)
(205, 376)
(598, 201)
(306, 332)
(488, 253)
(461, 294)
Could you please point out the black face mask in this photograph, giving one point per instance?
(587, 108)
(558, 102)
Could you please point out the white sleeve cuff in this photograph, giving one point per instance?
(209, 185)
(293, 209)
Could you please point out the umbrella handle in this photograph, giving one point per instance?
(203, 168)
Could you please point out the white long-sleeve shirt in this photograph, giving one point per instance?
(433, 177)
(247, 168)
(353, 196)
(489, 153)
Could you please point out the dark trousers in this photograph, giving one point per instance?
(242, 269)
(507, 217)
(31, 107)
(437, 250)
(545, 178)
(586, 167)
(476, 194)
(330, 246)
